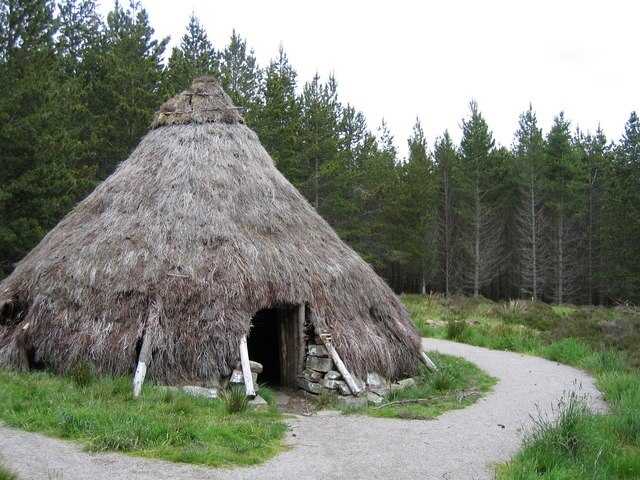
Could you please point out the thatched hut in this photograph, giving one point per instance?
(194, 242)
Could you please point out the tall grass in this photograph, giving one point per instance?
(235, 399)
(568, 350)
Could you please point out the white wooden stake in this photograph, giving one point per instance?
(144, 359)
(141, 370)
(427, 361)
(246, 368)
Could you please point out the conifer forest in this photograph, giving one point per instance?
(553, 216)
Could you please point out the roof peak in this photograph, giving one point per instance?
(204, 102)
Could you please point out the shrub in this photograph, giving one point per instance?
(455, 328)
(605, 361)
(235, 399)
(442, 380)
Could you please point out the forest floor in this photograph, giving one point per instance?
(460, 444)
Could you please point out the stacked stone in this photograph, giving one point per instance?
(237, 378)
(320, 374)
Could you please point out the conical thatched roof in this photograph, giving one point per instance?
(199, 226)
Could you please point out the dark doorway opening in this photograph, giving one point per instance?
(276, 340)
(264, 345)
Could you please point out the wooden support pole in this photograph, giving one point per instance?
(246, 368)
(427, 361)
(326, 339)
(301, 340)
(21, 341)
(143, 360)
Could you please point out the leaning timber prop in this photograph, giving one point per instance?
(428, 362)
(326, 339)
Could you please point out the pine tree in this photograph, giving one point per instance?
(196, 57)
(621, 230)
(594, 163)
(240, 75)
(380, 204)
(419, 193)
(449, 222)
(484, 229)
(277, 121)
(563, 200)
(80, 31)
(125, 83)
(318, 138)
(356, 147)
(531, 226)
(40, 147)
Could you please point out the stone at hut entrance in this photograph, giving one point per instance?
(407, 382)
(375, 379)
(312, 375)
(318, 351)
(309, 386)
(343, 388)
(308, 395)
(258, 403)
(255, 366)
(237, 377)
(200, 391)
(381, 390)
(374, 398)
(319, 363)
(332, 384)
(349, 402)
(339, 385)
(333, 375)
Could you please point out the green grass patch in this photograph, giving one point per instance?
(457, 384)
(423, 308)
(565, 310)
(568, 350)
(161, 423)
(6, 474)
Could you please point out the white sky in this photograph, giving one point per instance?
(401, 59)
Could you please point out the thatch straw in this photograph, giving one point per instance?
(200, 225)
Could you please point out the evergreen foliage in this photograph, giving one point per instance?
(557, 217)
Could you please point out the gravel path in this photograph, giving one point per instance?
(461, 445)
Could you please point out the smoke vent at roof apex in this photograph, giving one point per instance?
(204, 102)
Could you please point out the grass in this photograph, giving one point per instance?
(457, 384)
(161, 423)
(6, 474)
(235, 400)
(575, 443)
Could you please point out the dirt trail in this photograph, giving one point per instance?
(460, 445)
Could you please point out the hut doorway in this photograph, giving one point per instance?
(276, 341)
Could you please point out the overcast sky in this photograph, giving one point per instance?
(406, 59)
